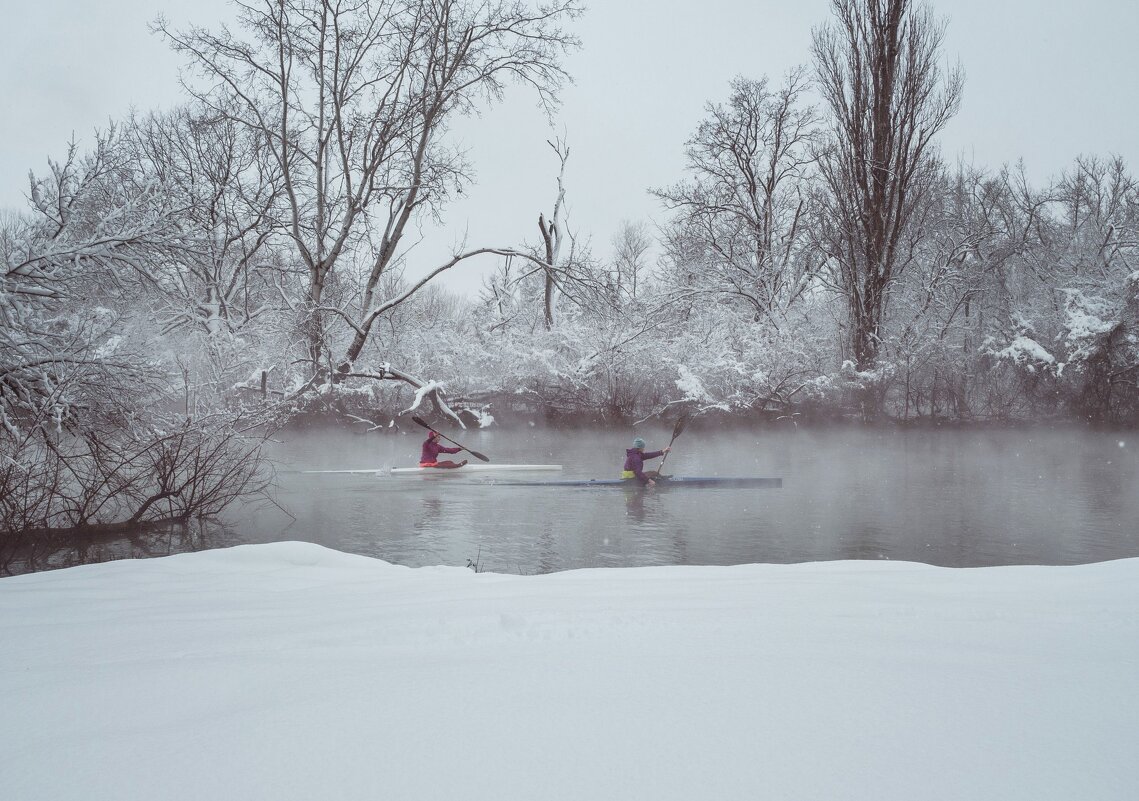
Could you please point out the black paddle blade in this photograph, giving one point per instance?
(420, 421)
(681, 424)
(475, 454)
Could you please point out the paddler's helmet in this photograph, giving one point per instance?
(432, 434)
(638, 443)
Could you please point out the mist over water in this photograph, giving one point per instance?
(944, 497)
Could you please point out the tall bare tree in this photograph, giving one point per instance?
(877, 70)
(353, 100)
(558, 270)
(553, 235)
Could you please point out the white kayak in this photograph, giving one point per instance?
(477, 468)
(467, 468)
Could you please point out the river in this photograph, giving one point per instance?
(951, 496)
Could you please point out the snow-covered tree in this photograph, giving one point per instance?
(225, 190)
(1096, 288)
(86, 416)
(740, 217)
(353, 102)
(92, 231)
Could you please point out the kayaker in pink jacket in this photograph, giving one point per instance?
(431, 450)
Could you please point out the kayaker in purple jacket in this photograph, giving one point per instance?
(635, 462)
(431, 450)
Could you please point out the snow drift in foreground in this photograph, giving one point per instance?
(289, 671)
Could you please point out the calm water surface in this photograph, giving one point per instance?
(944, 497)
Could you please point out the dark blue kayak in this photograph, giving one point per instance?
(671, 481)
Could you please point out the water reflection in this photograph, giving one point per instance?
(635, 504)
(53, 551)
(430, 514)
(957, 498)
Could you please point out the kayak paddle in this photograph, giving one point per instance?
(475, 454)
(677, 430)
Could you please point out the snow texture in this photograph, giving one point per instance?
(290, 671)
(1022, 350)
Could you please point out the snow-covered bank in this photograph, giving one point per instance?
(290, 671)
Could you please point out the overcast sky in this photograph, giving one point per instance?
(1045, 81)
